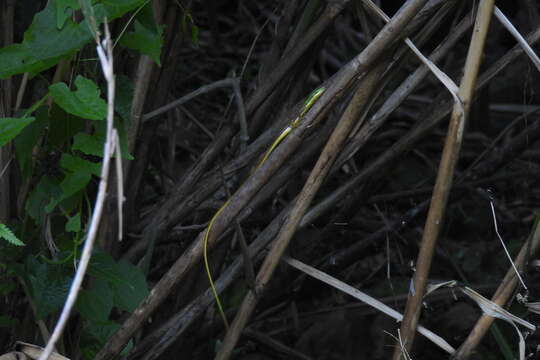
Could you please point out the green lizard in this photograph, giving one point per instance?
(311, 99)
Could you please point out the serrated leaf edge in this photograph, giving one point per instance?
(9, 236)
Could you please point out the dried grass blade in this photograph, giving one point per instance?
(494, 310)
(520, 39)
(491, 309)
(439, 74)
(340, 285)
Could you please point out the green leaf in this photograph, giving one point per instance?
(74, 223)
(103, 267)
(101, 331)
(77, 165)
(44, 44)
(93, 144)
(17, 59)
(95, 304)
(47, 189)
(95, 334)
(126, 280)
(77, 176)
(49, 285)
(88, 144)
(11, 127)
(44, 41)
(144, 40)
(7, 234)
(117, 8)
(54, 35)
(11, 58)
(61, 14)
(72, 183)
(85, 102)
(62, 127)
(129, 292)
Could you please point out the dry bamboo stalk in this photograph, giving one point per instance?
(445, 176)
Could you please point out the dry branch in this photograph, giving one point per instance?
(445, 176)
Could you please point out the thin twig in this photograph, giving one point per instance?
(184, 99)
(278, 346)
(244, 136)
(106, 58)
(143, 75)
(4, 169)
(20, 92)
(496, 226)
(197, 122)
(119, 187)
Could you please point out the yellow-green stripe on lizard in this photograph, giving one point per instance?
(311, 99)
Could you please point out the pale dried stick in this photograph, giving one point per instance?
(106, 58)
(445, 176)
